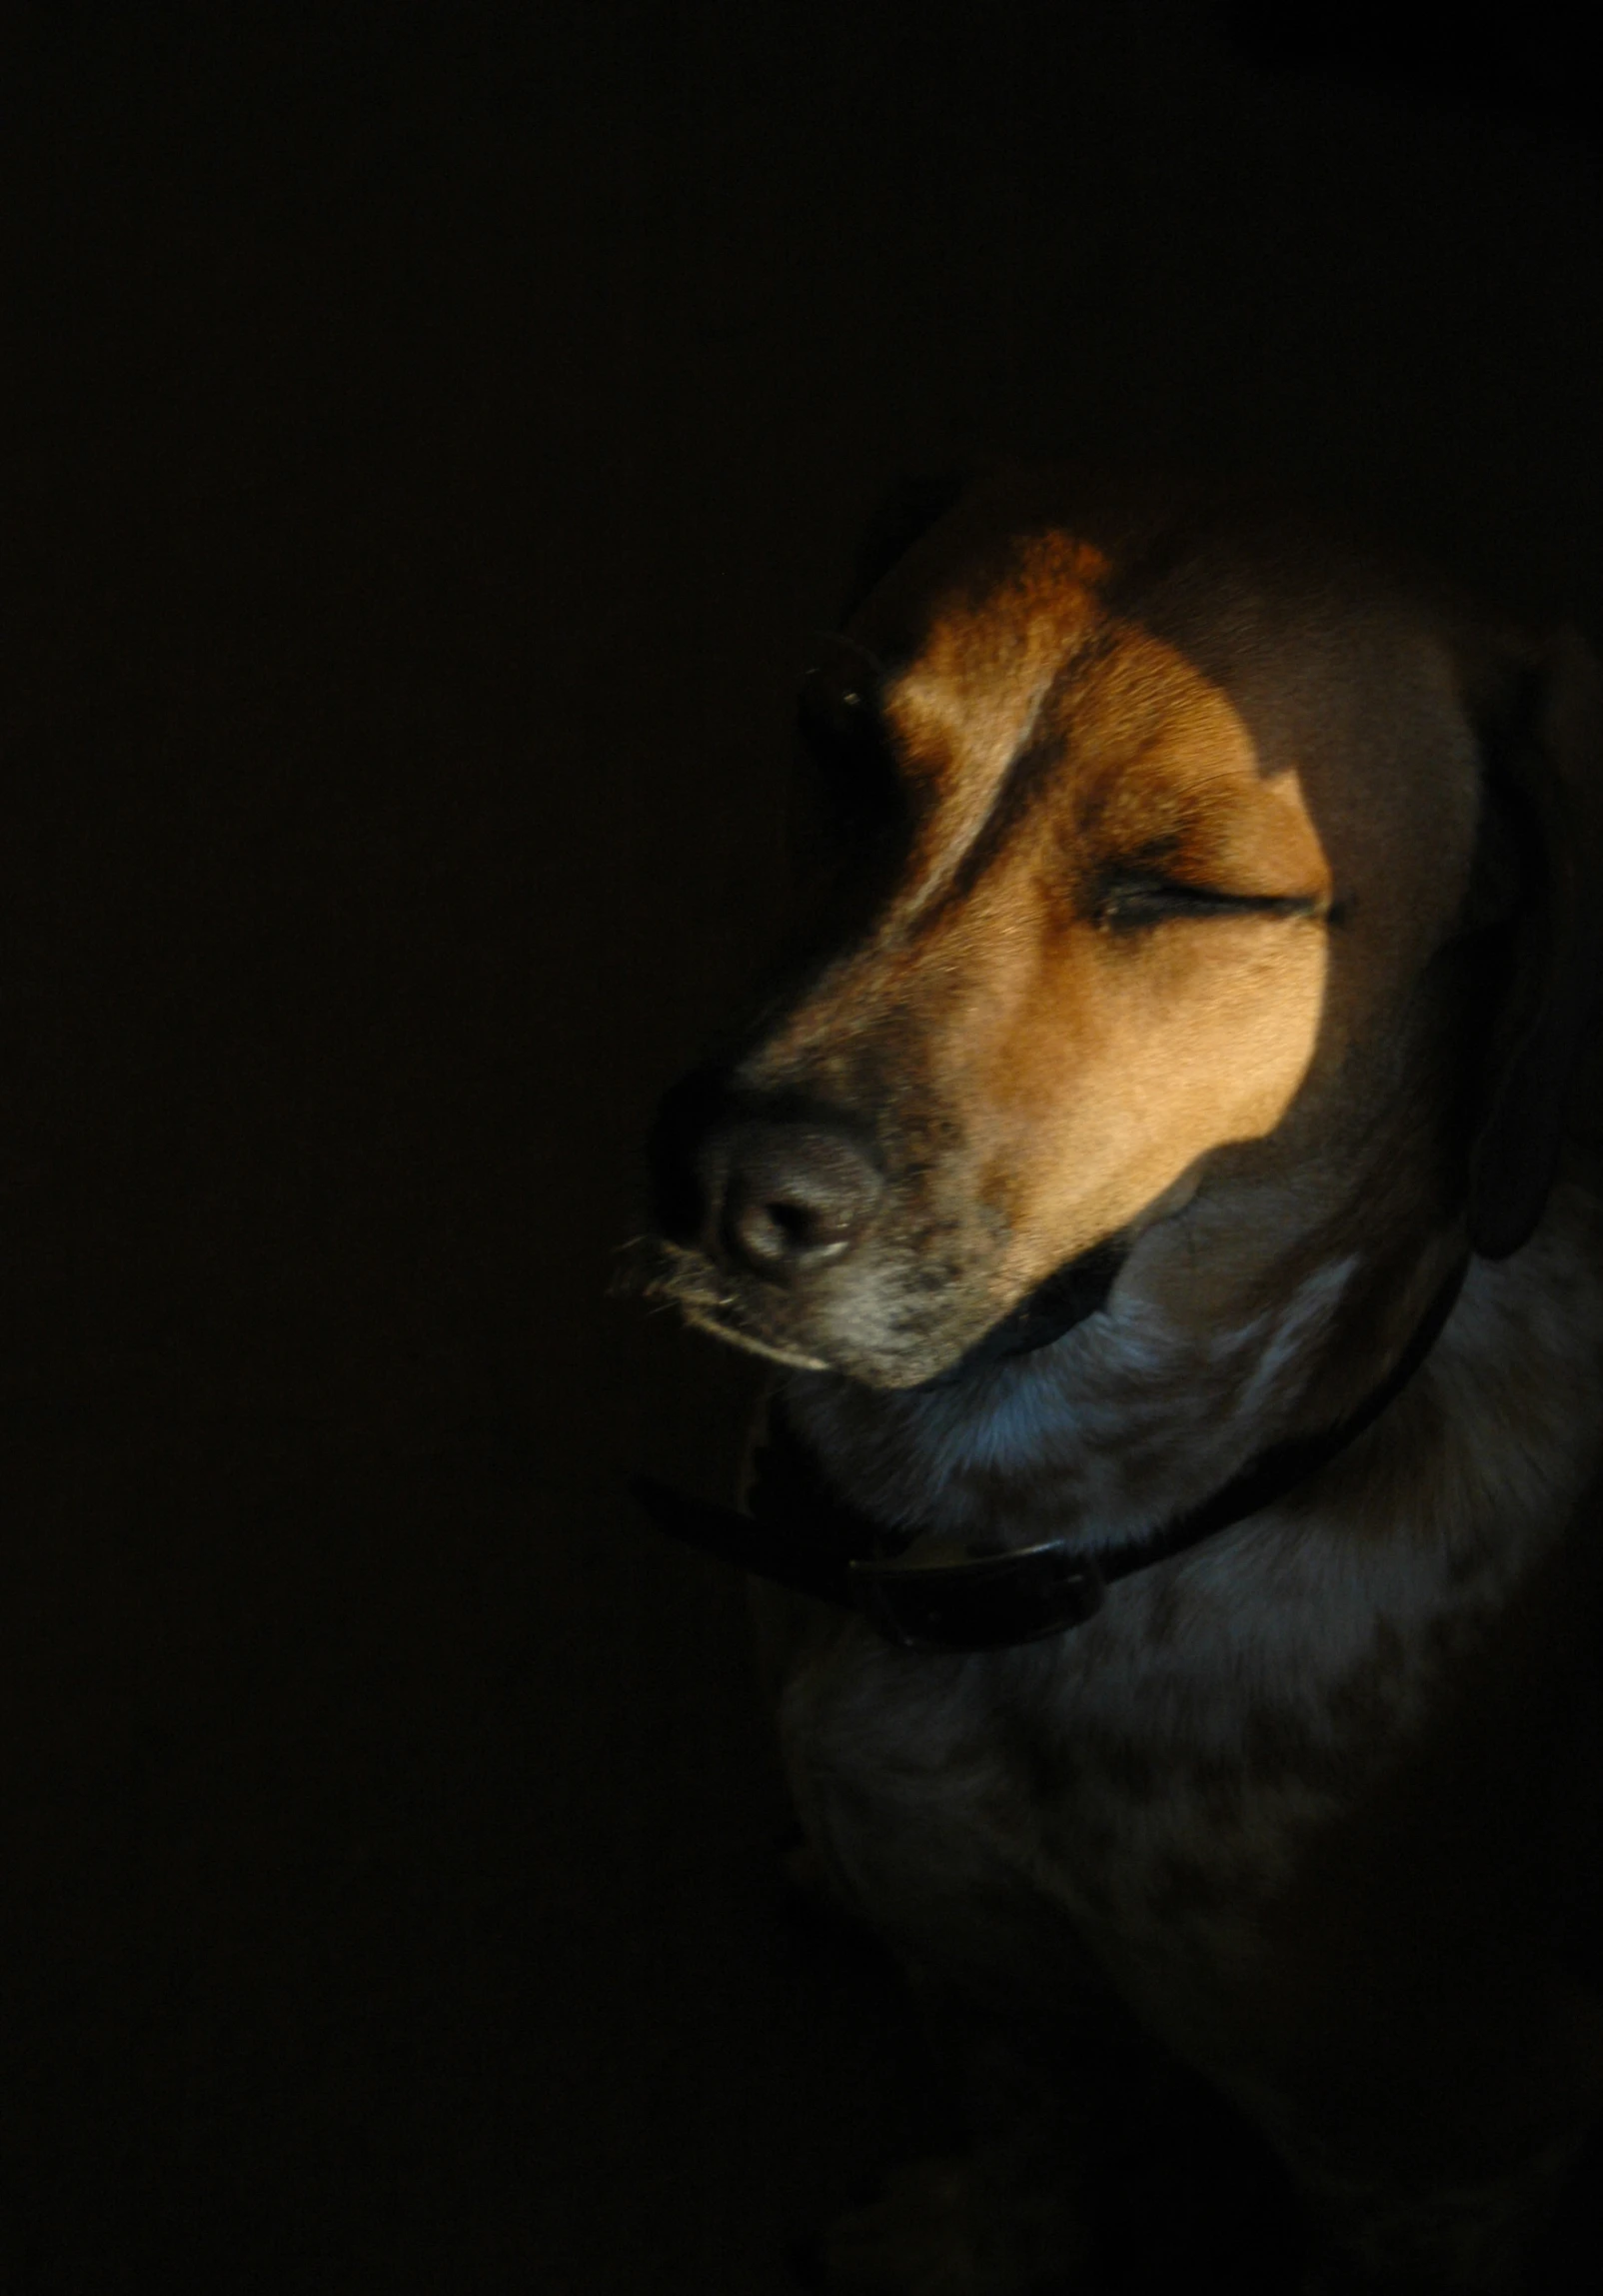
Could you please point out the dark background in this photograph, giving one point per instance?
(428, 439)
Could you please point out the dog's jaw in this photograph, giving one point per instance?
(1113, 1430)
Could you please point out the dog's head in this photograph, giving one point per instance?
(1192, 870)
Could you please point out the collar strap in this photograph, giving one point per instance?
(801, 1534)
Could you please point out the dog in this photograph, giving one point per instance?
(1160, 1175)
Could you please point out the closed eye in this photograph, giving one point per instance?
(1134, 901)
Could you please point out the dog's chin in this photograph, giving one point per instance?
(847, 1358)
(675, 1276)
(717, 1326)
(915, 1352)
(914, 1359)
(839, 1343)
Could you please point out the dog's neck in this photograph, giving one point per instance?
(1136, 1415)
(991, 1570)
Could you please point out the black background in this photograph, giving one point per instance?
(430, 436)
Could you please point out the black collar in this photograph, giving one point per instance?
(801, 1534)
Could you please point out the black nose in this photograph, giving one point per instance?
(785, 1196)
(775, 1194)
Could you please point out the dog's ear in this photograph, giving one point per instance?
(1545, 778)
(904, 517)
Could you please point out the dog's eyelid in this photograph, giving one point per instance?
(1154, 901)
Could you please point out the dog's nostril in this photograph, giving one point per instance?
(776, 1229)
(792, 1197)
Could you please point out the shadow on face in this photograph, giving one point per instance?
(1160, 877)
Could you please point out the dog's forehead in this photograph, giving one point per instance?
(1223, 657)
(1038, 651)
(963, 695)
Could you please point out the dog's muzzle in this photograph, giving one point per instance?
(777, 1203)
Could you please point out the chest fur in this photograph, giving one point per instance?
(1245, 1760)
